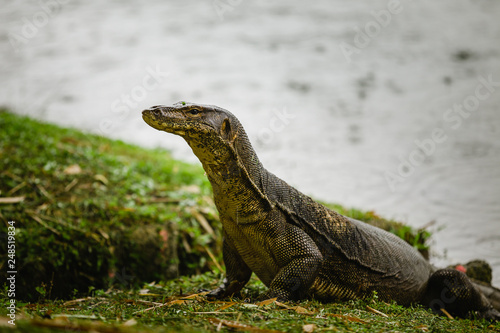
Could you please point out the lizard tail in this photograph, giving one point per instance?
(490, 292)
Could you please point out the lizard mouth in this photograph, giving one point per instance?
(162, 119)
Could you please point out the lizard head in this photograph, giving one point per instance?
(192, 121)
(206, 128)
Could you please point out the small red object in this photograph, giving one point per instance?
(461, 268)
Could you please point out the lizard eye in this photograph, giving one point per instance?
(194, 112)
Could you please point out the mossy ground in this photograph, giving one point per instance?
(179, 306)
(87, 210)
(95, 212)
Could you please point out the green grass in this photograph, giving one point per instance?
(95, 210)
(178, 306)
(97, 220)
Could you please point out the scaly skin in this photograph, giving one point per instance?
(297, 247)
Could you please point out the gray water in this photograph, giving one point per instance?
(376, 107)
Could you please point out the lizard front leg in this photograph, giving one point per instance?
(300, 261)
(237, 272)
(293, 281)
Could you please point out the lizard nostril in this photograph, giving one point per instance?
(154, 108)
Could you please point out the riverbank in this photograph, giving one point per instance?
(98, 220)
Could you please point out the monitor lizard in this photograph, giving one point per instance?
(297, 247)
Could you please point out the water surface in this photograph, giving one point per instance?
(341, 129)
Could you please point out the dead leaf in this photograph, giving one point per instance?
(377, 312)
(282, 305)
(44, 192)
(350, 318)
(13, 176)
(43, 206)
(11, 200)
(186, 245)
(424, 328)
(45, 225)
(104, 234)
(170, 303)
(226, 306)
(302, 310)
(267, 302)
(446, 313)
(309, 328)
(203, 222)
(194, 189)
(16, 188)
(176, 302)
(214, 260)
(63, 324)
(66, 316)
(102, 179)
(196, 295)
(71, 185)
(130, 322)
(238, 326)
(4, 322)
(297, 309)
(81, 300)
(73, 169)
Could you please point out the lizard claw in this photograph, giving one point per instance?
(490, 314)
(216, 293)
(226, 290)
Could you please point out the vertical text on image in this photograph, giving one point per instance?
(11, 272)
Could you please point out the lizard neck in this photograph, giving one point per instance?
(235, 174)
